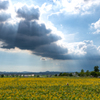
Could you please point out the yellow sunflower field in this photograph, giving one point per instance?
(62, 88)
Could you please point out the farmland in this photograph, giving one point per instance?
(62, 88)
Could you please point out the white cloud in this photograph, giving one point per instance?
(43, 59)
(96, 27)
(89, 48)
(15, 50)
(86, 13)
(85, 48)
(72, 6)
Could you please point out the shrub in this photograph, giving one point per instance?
(2, 75)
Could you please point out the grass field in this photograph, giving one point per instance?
(49, 88)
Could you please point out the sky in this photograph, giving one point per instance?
(49, 35)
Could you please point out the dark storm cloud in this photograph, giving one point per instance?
(7, 34)
(28, 13)
(24, 39)
(4, 17)
(58, 52)
(32, 29)
(41, 43)
(29, 35)
(53, 51)
(26, 36)
(31, 42)
(4, 5)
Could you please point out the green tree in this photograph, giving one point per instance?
(76, 73)
(82, 73)
(38, 76)
(96, 68)
(16, 75)
(98, 73)
(95, 74)
(12, 75)
(87, 73)
(70, 74)
(2, 75)
(60, 74)
(65, 74)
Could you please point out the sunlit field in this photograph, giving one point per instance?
(49, 88)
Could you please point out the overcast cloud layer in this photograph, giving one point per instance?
(27, 33)
(4, 5)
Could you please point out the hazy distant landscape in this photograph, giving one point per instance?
(95, 73)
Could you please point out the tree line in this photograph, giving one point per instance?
(94, 73)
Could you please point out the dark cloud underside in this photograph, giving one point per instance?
(52, 50)
(28, 13)
(4, 5)
(32, 29)
(4, 17)
(30, 35)
(26, 39)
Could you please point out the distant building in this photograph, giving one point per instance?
(74, 74)
(29, 75)
(32, 74)
(22, 75)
